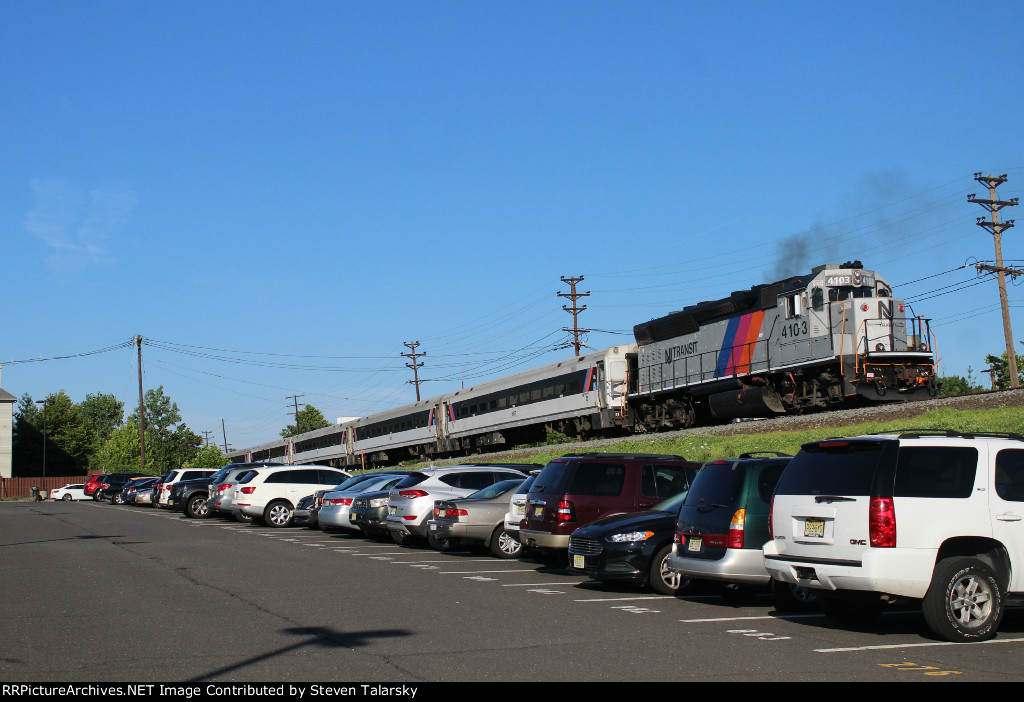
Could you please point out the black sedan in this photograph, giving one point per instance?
(630, 548)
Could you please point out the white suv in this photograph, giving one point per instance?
(270, 494)
(176, 476)
(933, 516)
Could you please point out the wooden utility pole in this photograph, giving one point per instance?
(996, 229)
(142, 411)
(574, 310)
(224, 433)
(295, 399)
(206, 434)
(414, 365)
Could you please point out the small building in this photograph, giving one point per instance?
(7, 402)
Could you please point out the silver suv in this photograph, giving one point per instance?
(412, 500)
(932, 516)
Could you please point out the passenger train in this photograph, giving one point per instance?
(811, 342)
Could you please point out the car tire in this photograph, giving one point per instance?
(197, 508)
(851, 613)
(97, 495)
(503, 545)
(790, 597)
(398, 537)
(439, 543)
(278, 514)
(964, 602)
(117, 498)
(660, 578)
(243, 517)
(66, 498)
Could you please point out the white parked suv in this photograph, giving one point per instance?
(271, 493)
(176, 476)
(932, 516)
(412, 500)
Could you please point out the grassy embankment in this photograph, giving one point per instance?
(707, 447)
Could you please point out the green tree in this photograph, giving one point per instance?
(121, 451)
(1001, 365)
(104, 412)
(306, 419)
(207, 457)
(69, 439)
(161, 411)
(958, 384)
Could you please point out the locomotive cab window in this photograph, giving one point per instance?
(846, 292)
(817, 299)
(794, 305)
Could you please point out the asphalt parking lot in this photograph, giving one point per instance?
(96, 592)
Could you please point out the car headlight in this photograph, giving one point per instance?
(631, 536)
(380, 502)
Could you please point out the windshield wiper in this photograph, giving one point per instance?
(833, 498)
(708, 508)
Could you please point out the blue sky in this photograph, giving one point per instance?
(279, 194)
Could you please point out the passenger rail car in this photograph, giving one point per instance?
(807, 342)
(579, 396)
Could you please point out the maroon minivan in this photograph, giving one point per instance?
(577, 489)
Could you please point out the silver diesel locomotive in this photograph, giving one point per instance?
(807, 342)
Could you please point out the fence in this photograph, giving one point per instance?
(20, 487)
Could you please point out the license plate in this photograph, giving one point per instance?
(170, 502)
(520, 509)
(693, 543)
(538, 512)
(352, 518)
(579, 561)
(814, 527)
(392, 511)
(433, 527)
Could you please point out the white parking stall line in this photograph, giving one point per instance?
(476, 572)
(542, 584)
(881, 647)
(627, 599)
(741, 619)
(449, 560)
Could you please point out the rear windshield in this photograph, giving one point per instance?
(248, 477)
(831, 468)
(526, 485)
(411, 480)
(496, 490)
(717, 484)
(575, 478)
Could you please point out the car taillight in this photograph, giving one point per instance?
(104, 486)
(413, 493)
(223, 486)
(455, 513)
(882, 523)
(739, 517)
(677, 537)
(339, 501)
(566, 512)
(248, 490)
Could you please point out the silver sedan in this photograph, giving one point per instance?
(333, 513)
(477, 518)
